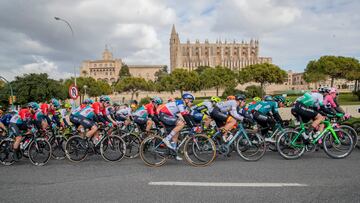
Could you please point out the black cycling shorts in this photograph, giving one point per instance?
(15, 128)
(304, 112)
(75, 120)
(86, 123)
(121, 117)
(167, 120)
(219, 117)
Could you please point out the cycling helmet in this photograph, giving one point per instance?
(268, 98)
(215, 99)
(116, 104)
(33, 105)
(134, 102)
(157, 100)
(279, 99)
(230, 97)
(257, 99)
(67, 105)
(321, 90)
(55, 102)
(332, 90)
(198, 117)
(240, 97)
(88, 101)
(105, 98)
(188, 96)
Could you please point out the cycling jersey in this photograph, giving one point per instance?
(230, 107)
(141, 113)
(6, 119)
(313, 99)
(150, 108)
(329, 101)
(174, 108)
(265, 107)
(76, 111)
(205, 107)
(20, 117)
(38, 116)
(88, 112)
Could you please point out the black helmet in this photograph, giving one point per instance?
(240, 97)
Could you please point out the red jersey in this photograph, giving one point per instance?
(150, 108)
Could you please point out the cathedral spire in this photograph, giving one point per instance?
(173, 31)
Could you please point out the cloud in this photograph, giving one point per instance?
(291, 32)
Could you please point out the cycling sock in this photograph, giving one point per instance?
(171, 134)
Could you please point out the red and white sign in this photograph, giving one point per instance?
(73, 92)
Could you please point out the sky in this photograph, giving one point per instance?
(137, 31)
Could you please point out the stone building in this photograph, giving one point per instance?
(232, 55)
(108, 68)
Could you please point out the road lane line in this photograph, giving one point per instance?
(214, 184)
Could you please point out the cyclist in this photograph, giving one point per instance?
(86, 117)
(201, 111)
(174, 115)
(308, 107)
(145, 115)
(226, 114)
(21, 121)
(266, 113)
(330, 101)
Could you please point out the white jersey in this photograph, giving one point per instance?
(230, 107)
(124, 111)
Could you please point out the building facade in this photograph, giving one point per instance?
(108, 68)
(232, 55)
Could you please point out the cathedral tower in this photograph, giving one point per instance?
(174, 48)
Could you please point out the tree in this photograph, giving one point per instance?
(165, 84)
(217, 78)
(262, 73)
(333, 67)
(124, 72)
(161, 73)
(184, 80)
(132, 84)
(36, 87)
(94, 88)
(200, 69)
(254, 91)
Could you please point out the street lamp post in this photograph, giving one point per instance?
(11, 91)
(72, 34)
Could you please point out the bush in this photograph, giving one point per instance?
(231, 91)
(357, 93)
(254, 91)
(144, 100)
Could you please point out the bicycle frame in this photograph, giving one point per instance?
(328, 128)
(240, 131)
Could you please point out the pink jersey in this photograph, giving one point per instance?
(329, 101)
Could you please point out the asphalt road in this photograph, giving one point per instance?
(322, 180)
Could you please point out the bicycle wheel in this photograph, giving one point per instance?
(252, 147)
(199, 150)
(76, 148)
(153, 151)
(39, 151)
(112, 148)
(132, 145)
(351, 132)
(338, 149)
(58, 143)
(285, 147)
(6, 157)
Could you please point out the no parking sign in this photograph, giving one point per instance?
(73, 92)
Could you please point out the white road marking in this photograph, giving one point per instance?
(212, 184)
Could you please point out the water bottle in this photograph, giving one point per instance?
(24, 144)
(230, 137)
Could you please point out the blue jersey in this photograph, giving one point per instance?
(6, 119)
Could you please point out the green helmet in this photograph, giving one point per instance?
(279, 98)
(268, 98)
(55, 102)
(104, 98)
(157, 100)
(215, 99)
(67, 105)
(33, 105)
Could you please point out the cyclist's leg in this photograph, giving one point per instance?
(149, 124)
(175, 132)
(207, 121)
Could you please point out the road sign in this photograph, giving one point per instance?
(73, 92)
